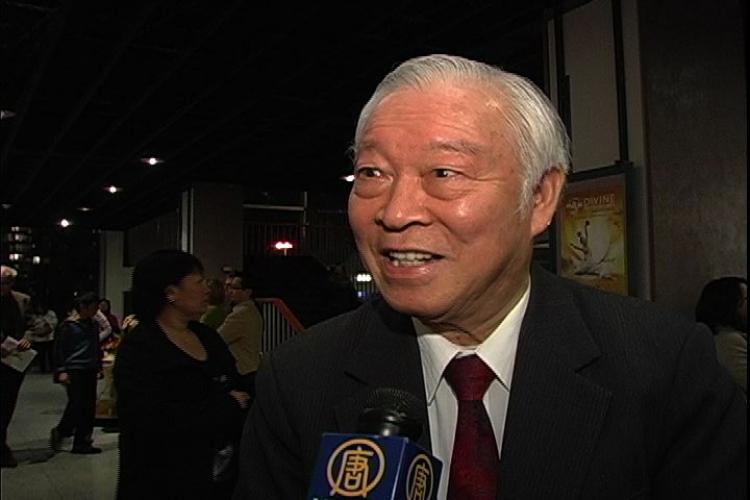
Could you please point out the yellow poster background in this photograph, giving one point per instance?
(592, 233)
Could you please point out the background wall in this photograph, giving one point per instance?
(115, 278)
(216, 229)
(696, 113)
(589, 50)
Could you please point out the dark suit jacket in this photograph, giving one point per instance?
(611, 399)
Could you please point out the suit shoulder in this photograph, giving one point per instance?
(621, 307)
(633, 323)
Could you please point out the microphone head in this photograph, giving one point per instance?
(391, 412)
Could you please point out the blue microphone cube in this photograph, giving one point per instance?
(375, 468)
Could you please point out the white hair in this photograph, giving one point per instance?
(542, 143)
(8, 272)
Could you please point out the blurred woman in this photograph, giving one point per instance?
(176, 383)
(105, 306)
(723, 307)
(40, 331)
(218, 309)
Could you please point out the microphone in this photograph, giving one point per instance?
(382, 460)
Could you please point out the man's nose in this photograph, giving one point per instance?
(404, 205)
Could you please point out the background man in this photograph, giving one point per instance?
(14, 308)
(242, 329)
(534, 387)
(78, 363)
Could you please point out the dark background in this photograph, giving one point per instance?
(241, 92)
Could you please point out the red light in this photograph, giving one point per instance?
(282, 246)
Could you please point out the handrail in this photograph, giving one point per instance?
(279, 322)
(285, 311)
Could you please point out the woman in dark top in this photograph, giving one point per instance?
(176, 382)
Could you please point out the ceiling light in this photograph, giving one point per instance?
(84, 209)
(64, 223)
(6, 113)
(151, 160)
(348, 178)
(113, 189)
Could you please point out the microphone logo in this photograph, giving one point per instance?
(355, 468)
(419, 480)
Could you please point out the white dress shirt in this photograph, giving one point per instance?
(498, 351)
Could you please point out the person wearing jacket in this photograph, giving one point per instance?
(78, 361)
(13, 306)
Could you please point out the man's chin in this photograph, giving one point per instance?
(424, 310)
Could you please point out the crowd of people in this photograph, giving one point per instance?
(182, 360)
(458, 166)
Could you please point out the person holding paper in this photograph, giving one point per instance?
(14, 306)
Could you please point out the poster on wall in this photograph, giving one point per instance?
(592, 230)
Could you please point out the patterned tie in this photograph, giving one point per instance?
(474, 464)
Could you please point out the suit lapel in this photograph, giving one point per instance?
(386, 356)
(554, 413)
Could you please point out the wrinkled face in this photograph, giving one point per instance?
(434, 206)
(190, 296)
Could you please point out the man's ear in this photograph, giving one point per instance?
(545, 199)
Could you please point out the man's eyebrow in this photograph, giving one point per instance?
(452, 146)
(458, 146)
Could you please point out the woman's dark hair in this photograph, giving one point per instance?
(109, 304)
(153, 274)
(719, 302)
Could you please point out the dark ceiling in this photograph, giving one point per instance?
(263, 96)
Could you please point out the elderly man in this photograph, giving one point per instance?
(14, 308)
(534, 387)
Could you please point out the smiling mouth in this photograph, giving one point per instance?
(411, 259)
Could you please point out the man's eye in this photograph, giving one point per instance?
(368, 172)
(444, 173)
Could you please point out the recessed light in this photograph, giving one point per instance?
(348, 178)
(151, 160)
(113, 189)
(84, 209)
(64, 223)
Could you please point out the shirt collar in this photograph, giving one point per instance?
(498, 351)
(244, 303)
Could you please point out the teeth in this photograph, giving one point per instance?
(408, 258)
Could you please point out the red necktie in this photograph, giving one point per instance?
(475, 462)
